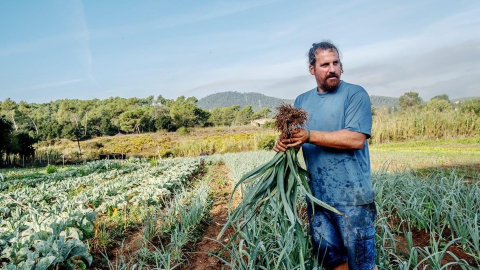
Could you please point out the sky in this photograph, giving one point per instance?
(77, 49)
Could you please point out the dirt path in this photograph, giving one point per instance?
(203, 255)
(200, 255)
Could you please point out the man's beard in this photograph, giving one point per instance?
(330, 87)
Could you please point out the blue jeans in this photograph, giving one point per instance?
(340, 238)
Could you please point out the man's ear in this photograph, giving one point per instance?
(311, 69)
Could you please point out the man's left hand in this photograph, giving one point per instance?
(299, 137)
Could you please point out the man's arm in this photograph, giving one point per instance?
(341, 139)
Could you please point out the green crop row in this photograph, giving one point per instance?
(444, 206)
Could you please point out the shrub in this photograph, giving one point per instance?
(183, 131)
(268, 125)
(167, 154)
(267, 142)
(51, 169)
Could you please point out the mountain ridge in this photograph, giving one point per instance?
(259, 101)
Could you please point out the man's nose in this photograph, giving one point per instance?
(331, 69)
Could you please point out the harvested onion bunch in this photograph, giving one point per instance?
(277, 181)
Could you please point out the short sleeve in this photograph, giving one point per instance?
(358, 113)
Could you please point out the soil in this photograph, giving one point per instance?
(126, 250)
(121, 250)
(421, 239)
(205, 253)
(209, 250)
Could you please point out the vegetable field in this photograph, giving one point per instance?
(140, 214)
(60, 219)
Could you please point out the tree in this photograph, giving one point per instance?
(136, 121)
(50, 129)
(163, 101)
(5, 136)
(25, 145)
(441, 97)
(471, 105)
(106, 127)
(216, 117)
(438, 105)
(263, 113)
(185, 113)
(165, 122)
(8, 108)
(46, 115)
(409, 99)
(202, 117)
(244, 116)
(26, 110)
(227, 114)
(68, 112)
(148, 101)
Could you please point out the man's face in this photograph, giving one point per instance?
(327, 70)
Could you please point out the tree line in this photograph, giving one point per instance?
(22, 124)
(438, 118)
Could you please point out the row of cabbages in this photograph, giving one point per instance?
(44, 225)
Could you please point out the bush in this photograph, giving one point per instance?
(51, 169)
(471, 105)
(268, 125)
(267, 142)
(183, 131)
(167, 154)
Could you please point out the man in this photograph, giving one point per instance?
(335, 150)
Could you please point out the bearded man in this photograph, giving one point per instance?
(335, 149)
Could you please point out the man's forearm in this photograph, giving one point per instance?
(342, 139)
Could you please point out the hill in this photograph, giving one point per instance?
(382, 101)
(226, 99)
(259, 101)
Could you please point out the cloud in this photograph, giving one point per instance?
(418, 71)
(443, 51)
(460, 21)
(466, 85)
(286, 87)
(452, 69)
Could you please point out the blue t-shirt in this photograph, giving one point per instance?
(338, 177)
